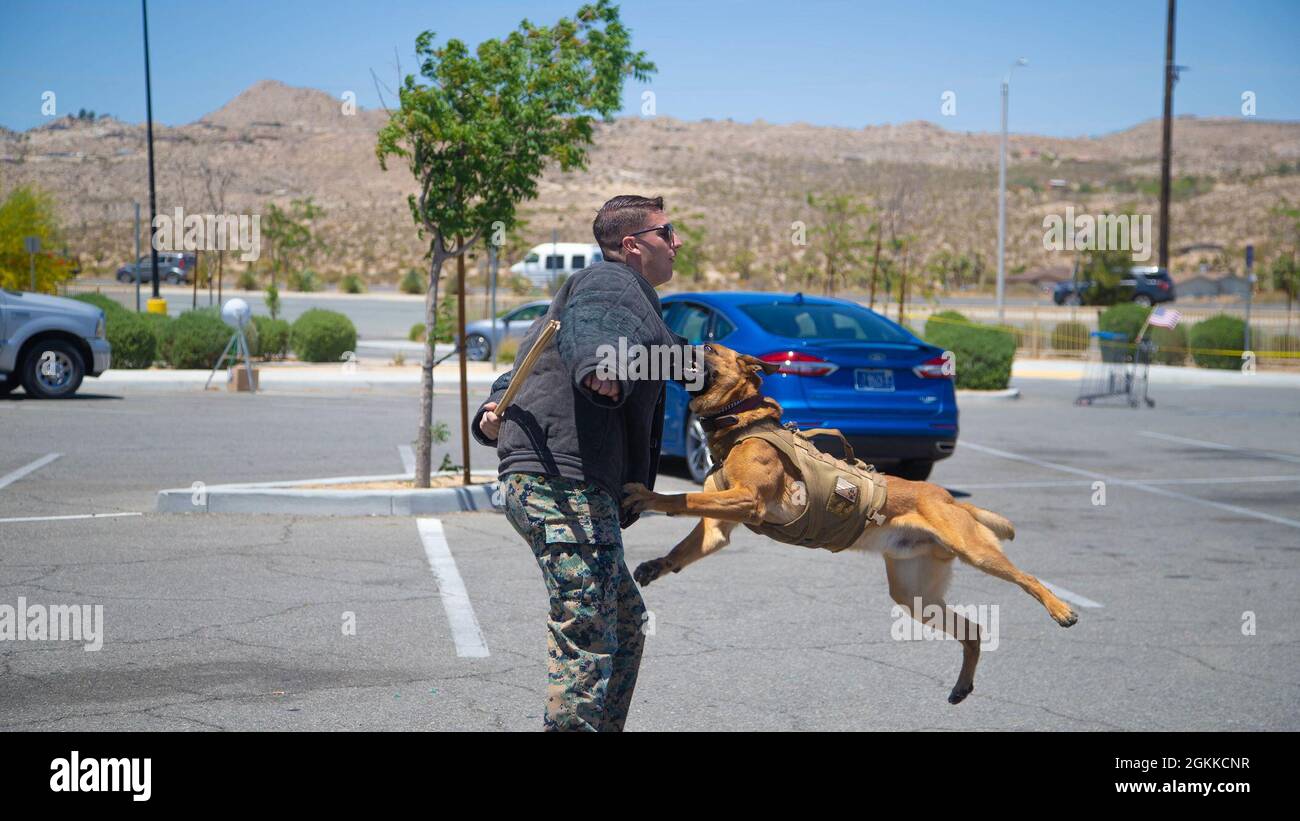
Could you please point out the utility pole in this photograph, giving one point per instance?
(1171, 75)
(1002, 190)
(157, 305)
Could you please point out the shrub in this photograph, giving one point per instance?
(1171, 345)
(508, 350)
(1125, 318)
(983, 354)
(103, 303)
(247, 281)
(272, 338)
(1218, 333)
(322, 336)
(352, 284)
(194, 339)
(132, 337)
(1070, 336)
(417, 332)
(520, 285)
(305, 281)
(413, 282)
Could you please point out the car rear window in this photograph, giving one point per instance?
(835, 322)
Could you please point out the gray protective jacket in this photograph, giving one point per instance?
(556, 426)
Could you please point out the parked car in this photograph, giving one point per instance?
(842, 366)
(49, 343)
(549, 261)
(513, 324)
(174, 267)
(1144, 285)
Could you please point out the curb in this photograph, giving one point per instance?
(290, 498)
(1003, 395)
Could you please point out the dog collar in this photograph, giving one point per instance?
(727, 416)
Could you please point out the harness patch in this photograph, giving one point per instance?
(846, 490)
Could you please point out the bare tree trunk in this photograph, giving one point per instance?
(875, 269)
(460, 346)
(424, 437)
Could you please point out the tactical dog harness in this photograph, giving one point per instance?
(844, 496)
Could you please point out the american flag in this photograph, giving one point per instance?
(1165, 318)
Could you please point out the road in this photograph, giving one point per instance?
(387, 315)
(238, 622)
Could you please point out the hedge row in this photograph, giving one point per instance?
(193, 340)
(982, 353)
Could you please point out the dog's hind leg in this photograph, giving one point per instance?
(709, 536)
(918, 585)
(977, 546)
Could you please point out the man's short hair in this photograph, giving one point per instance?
(621, 216)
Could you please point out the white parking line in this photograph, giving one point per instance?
(465, 631)
(1082, 601)
(408, 458)
(1136, 485)
(1201, 443)
(62, 518)
(10, 478)
(1206, 480)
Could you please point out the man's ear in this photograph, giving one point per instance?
(757, 364)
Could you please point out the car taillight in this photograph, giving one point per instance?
(182, 265)
(1164, 286)
(938, 367)
(800, 364)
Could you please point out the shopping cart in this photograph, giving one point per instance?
(1116, 369)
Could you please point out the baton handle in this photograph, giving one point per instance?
(526, 367)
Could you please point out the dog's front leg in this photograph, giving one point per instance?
(736, 504)
(707, 537)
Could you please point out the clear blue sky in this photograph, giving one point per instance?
(1095, 66)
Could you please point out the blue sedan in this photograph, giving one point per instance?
(842, 366)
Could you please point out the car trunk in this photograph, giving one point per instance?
(873, 377)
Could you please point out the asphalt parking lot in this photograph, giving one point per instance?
(240, 622)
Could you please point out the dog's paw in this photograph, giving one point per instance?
(638, 497)
(647, 572)
(1068, 619)
(959, 693)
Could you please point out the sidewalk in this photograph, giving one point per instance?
(1072, 369)
(294, 375)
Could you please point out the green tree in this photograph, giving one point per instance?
(843, 229)
(30, 212)
(289, 237)
(477, 131)
(690, 258)
(1104, 269)
(1285, 270)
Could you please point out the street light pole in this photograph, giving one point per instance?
(1002, 189)
(156, 305)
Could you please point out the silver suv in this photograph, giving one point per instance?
(174, 268)
(49, 343)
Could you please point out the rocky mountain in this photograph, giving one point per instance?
(742, 184)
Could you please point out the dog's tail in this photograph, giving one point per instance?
(1000, 525)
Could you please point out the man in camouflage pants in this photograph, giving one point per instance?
(569, 443)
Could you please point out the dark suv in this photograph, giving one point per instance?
(174, 268)
(1144, 285)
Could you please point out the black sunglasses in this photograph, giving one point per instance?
(666, 231)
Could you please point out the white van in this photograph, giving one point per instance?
(550, 260)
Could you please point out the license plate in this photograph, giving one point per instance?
(873, 379)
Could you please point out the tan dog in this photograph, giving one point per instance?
(923, 529)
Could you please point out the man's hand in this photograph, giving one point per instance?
(605, 387)
(490, 424)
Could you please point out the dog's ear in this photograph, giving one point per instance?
(759, 365)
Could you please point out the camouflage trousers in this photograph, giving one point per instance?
(594, 628)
